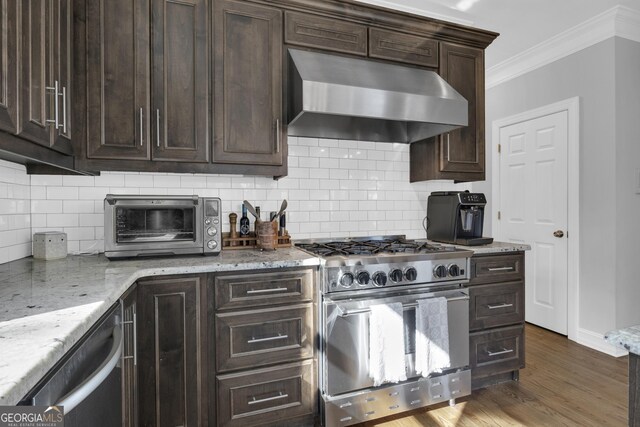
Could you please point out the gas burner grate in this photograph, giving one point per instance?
(372, 247)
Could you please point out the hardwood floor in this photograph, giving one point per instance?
(564, 384)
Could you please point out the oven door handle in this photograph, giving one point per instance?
(408, 306)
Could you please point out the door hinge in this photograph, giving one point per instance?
(499, 148)
(498, 214)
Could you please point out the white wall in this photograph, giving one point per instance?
(605, 77)
(15, 218)
(334, 188)
(627, 173)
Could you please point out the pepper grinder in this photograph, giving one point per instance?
(233, 233)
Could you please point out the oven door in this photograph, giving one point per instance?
(152, 225)
(346, 337)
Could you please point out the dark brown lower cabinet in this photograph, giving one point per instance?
(496, 318)
(129, 358)
(171, 351)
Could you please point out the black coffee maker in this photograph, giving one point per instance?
(456, 217)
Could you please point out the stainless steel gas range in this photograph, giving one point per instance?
(359, 273)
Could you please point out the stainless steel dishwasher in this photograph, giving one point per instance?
(87, 382)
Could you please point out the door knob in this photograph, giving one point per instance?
(558, 233)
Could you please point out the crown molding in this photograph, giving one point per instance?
(618, 21)
(389, 4)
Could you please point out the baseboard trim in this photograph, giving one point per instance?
(596, 341)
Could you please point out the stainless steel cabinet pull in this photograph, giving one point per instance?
(394, 407)
(141, 128)
(158, 127)
(345, 419)
(497, 353)
(500, 269)
(448, 148)
(277, 337)
(346, 405)
(415, 402)
(55, 120)
(495, 307)
(266, 291)
(278, 136)
(255, 401)
(134, 356)
(64, 109)
(395, 393)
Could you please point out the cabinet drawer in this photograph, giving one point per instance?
(265, 288)
(497, 268)
(496, 305)
(496, 351)
(328, 34)
(403, 48)
(266, 396)
(260, 337)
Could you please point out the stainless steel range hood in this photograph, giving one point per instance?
(336, 97)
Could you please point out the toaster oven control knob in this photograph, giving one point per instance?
(212, 231)
(395, 275)
(411, 274)
(211, 244)
(363, 278)
(379, 279)
(207, 221)
(454, 270)
(346, 280)
(440, 271)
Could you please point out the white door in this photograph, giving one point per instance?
(533, 210)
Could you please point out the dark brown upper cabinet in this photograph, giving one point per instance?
(459, 154)
(44, 93)
(147, 80)
(248, 67)
(9, 65)
(402, 47)
(180, 80)
(116, 121)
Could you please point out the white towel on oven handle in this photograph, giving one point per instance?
(386, 344)
(432, 336)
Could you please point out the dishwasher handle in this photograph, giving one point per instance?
(82, 391)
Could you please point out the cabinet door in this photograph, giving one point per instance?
(61, 60)
(462, 150)
(36, 102)
(248, 71)
(117, 79)
(8, 65)
(170, 354)
(180, 80)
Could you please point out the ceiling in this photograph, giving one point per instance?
(521, 23)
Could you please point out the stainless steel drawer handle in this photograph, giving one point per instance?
(367, 414)
(395, 393)
(345, 419)
(500, 268)
(266, 291)
(415, 402)
(255, 401)
(415, 389)
(497, 306)
(497, 353)
(346, 405)
(257, 340)
(394, 407)
(453, 392)
(437, 396)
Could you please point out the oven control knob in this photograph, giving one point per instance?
(395, 275)
(454, 270)
(440, 271)
(207, 221)
(379, 279)
(363, 278)
(411, 274)
(212, 231)
(346, 280)
(211, 244)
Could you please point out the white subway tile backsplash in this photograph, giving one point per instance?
(334, 188)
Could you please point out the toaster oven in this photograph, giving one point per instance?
(136, 226)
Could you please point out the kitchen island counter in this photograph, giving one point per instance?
(47, 306)
(629, 339)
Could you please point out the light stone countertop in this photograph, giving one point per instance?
(492, 248)
(627, 338)
(46, 306)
